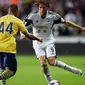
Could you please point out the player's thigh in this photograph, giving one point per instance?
(50, 51)
(51, 54)
(39, 52)
(10, 61)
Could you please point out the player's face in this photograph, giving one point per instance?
(43, 10)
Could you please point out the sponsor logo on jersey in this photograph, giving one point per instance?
(41, 27)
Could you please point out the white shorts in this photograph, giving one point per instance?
(47, 51)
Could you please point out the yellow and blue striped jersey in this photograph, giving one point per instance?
(9, 27)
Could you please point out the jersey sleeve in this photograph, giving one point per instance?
(58, 19)
(21, 26)
(28, 20)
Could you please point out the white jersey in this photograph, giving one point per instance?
(42, 27)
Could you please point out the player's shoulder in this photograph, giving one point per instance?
(11, 18)
(32, 14)
(2, 17)
(53, 13)
(17, 20)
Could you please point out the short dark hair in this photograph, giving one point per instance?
(13, 7)
(45, 2)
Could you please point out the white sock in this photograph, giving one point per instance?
(46, 73)
(63, 65)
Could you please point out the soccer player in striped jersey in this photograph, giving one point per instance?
(42, 24)
(9, 27)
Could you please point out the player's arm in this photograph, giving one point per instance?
(73, 25)
(68, 23)
(31, 36)
(23, 30)
(27, 22)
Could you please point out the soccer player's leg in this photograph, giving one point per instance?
(45, 68)
(53, 62)
(68, 67)
(10, 64)
(61, 64)
(40, 53)
(2, 68)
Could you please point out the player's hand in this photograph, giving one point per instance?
(40, 40)
(83, 28)
(22, 36)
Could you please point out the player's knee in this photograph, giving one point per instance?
(51, 61)
(43, 62)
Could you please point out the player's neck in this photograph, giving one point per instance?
(10, 13)
(43, 16)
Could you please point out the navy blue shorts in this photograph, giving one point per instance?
(8, 60)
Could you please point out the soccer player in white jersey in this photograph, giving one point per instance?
(42, 23)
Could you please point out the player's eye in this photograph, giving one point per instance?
(42, 7)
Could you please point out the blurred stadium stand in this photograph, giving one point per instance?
(68, 41)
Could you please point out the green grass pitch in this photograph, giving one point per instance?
(29, 72)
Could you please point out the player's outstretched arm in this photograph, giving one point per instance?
(31, 36)
(83, 28)
(71, 24)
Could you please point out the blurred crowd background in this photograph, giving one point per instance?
(72, 10)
